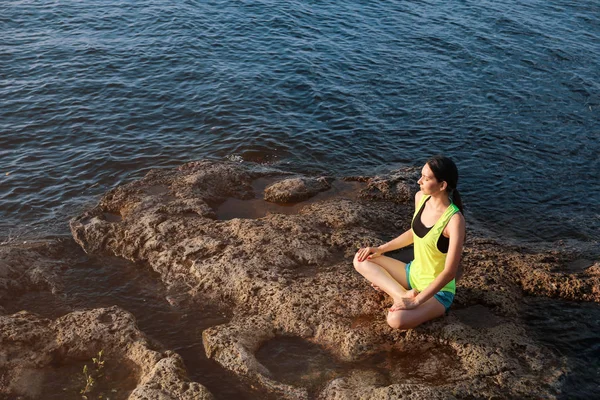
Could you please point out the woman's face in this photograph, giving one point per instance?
(428, 183)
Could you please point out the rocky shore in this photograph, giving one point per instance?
(286, 272)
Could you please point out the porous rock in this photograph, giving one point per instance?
(29, 267)
(293, 190)
(295, 272)
(399, 186)
(365, 385)
(30, 344)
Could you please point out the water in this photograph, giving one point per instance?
(300, 363)
(569, 329)
(258, 207)
(95, 95)
(103, 281)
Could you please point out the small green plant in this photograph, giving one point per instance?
(92, 376)
(99, 363)
(89, 382)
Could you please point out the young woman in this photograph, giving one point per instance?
(424, 288)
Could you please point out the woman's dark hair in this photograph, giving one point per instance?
(445, 170)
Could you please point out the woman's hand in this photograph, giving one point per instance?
(366, 253)
(405, 304)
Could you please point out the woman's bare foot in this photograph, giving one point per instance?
(410, 294)
(404, 303)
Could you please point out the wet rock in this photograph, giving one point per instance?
(292, 275)
(29, 345)
(400, 186)
(234, 345)
(576, 266)
(500, 271)
(29, 267)
(368, 385)
(167, 380)
(594, 270)
(478, 316)
(294, 190)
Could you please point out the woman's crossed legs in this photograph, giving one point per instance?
(389, 275)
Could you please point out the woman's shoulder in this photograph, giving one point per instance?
(456, 226)
(457, 221)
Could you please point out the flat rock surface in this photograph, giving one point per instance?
(291, 275)
(288, 280)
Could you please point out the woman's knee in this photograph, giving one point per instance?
(393, 320)
(397, 320)
(358, 265)
(361, 266)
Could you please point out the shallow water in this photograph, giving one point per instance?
(301, 363)
(104, 281)
(572, 331)
(114, 380)
(94, 96)
(257, 207)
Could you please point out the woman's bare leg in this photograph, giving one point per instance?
(386, 273)
(397, 270)
(408, 319)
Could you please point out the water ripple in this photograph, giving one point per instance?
(97, 94)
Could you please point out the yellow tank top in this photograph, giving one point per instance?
(429, 262)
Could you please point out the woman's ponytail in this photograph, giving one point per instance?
(455, 197)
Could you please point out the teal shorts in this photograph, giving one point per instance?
(446, 298)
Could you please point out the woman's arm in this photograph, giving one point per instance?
(371, 252)
(456, 230)
(401, 241)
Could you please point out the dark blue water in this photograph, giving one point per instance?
(93, 94)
